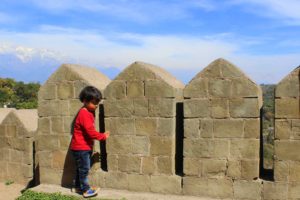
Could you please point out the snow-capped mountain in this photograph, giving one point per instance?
(36, 65)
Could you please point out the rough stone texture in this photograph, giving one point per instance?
(142, 122)
(17, 136)
(222, 128)
(287, 146)
(58, 106)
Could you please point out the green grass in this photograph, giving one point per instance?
(31, 195)
(8, 182)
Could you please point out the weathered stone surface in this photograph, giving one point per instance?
(59, 158)
(247, 189)
(131, 164)
(283, 129)
(221, 148)
(146, 126)
(214, 188)
(252, 128)
(116, 180)
(191, 128)
(44, 125)
(275, 190)
(162, 146)
(294, 172)
(214, 168)
(250, 169)
(234, 169)
(242, 87)
(166, 127)
(196, 88)
(119, 144)
(47, 142)
(219, 108)
(74, 107)
(206, 128)
(140, 183)
(57, 125)
(159, 107)
(112, 162)
(242, 148)
(115, 90)
(244, 108)
(78, 86)
(120, 126)
(141, 107)
(135, 89)
(197, 148)
(118, 108)
(148, 165)
(228, 128)
(196, 108)
(157, 88)
(192, 166)
(53, 108)
(288, 87)
(219, 88)
(65, 90)
(165, 165)
(48, 92)
(281, 170)
(294, 190)
(140, 146)
(166, 184)
(287, 150)
(287, 108)
(50, 176)
(44, 158)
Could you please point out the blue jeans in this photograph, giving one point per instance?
(83, 164)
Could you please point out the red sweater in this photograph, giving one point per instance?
(84, 131)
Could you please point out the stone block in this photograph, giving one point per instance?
(166, 127)
(221, 148)
(244, 149)
(16, 156)
(15, 143)
(120, 126)
(242, 87)
(140, 183)
(287, 150)
(50, 176)
(53, 108)
(135, 89)
(234, 169)
(213, 70)
(219, 108)
(64, 142)
(250, 169)
(78, 87)
(65, 90)
(59, 159)
(118, 108)
(146, 126)
(191, 128)
(214, 168)
(112, 162)
(192, 166)
(219, 88)
(11, 130)
(119, 144)
(141, 107)
(48, 92)
(198, 148)
(252, 128)
(75, 106)
(158, 88)
(206, 128)
(162, 146)
(275, 190)
(281, 170)
(294, 172)
(197, 88)
(166, 184)
(247, 189)
(287, 108)
(44, 158)
(148, 165)
(129, 164)
(2, 130)
(244, 108)
(115, 90)
(159, 107)
(140, 146)
(68, 123)
(283, 129)
(44, 125)
(228, 128)
(47, 142)
(294, 190)
(196, 108)
(98, 178)
(288, 87)
(165, 165)
(27, 171)
(117, 180)
(57, 125)
(15, 172)
(214, 188)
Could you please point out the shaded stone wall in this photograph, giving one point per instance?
(58, 106)
(221, 129)
(140, 112)
(16, 142)
(287, 135)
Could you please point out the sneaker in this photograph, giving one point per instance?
(90, 193)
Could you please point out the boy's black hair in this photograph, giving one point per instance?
(90, 93)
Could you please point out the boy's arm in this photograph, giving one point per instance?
(88, 126)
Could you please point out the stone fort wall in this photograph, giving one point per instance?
(200, 139)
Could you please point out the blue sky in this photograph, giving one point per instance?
(182, 36)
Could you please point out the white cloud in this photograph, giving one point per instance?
(169, 51)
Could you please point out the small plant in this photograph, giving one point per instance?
(8, 182)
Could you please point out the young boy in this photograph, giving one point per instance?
(83, 135)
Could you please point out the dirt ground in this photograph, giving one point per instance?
(11, 192)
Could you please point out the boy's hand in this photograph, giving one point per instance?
(107, 133)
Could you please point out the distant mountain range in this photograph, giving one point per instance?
(36, 65)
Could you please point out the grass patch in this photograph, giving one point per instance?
(31, 195)
(8, 182)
